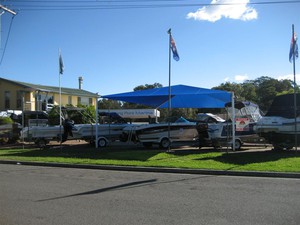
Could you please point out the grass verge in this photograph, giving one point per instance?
(285, 161)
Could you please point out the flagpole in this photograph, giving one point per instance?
(59, 74)
(169, 102)
(295, 95)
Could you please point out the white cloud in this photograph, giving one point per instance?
(241, 78)
(232, 9)
(289, 77)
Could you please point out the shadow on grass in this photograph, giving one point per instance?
(142, 154)
(244, 158)
(84, 152)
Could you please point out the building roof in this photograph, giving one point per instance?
(52, 89)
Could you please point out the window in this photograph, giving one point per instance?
(7, 99)
(90, 101)
(78, 100)
(51, 100)
(70, 100)
(84, 101)
(19, 99)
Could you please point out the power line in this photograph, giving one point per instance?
(7, 39)
(124, 1)
(37, 5)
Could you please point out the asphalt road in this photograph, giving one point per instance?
(50, 195)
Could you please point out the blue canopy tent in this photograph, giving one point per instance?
(182, 96)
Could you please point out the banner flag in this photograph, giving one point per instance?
(61, 64)
(174, 49)
(293, 48)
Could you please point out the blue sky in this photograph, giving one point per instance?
(115, 50)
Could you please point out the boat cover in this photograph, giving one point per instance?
(283, 105)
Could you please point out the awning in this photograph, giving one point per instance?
(182, 96)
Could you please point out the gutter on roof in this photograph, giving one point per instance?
(35, 87)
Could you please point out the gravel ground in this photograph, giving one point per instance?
(80, 144)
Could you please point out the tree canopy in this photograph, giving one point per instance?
(261, 91)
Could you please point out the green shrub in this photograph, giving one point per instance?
(5, 120)
(80, 115)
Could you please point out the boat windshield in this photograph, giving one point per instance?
(250, 111)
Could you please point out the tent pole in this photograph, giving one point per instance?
(96, 134)
(169, 102)
(60, 114)
(295, 95)
(233, 120)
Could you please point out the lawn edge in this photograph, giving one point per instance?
(158, 169)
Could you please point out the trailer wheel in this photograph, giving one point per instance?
(147, 144)
(278, 147)
(238, 145)
(41, 143)
(165, 143)
(92, 142)
(281, 147)
(102, 142)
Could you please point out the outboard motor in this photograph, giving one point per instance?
(68, 126)
(202, 128)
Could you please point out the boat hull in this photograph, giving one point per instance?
(87, 132)
(220, 134)
(279, 131)
(149, 134)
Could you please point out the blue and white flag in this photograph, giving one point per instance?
(174, 49)
(293, 48)
(61, 64)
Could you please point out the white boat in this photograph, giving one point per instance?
(279, 126)
(106, 132)
(109, 130)
(9, 133)
(219, 131)
(42, 135)
(161, 133)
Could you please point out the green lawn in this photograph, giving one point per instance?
(284, 161)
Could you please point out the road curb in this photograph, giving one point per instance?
(158, 169)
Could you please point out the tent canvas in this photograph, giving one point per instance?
(182, 96)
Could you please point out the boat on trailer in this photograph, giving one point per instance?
(279, 126)
(219, 130)
(43, 135)
(107, 132)
(162, 134)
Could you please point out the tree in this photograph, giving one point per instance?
(80, 115)
(109, 104)
(128, 105)
(231, 87)
(249, 91)
(147, 86)
(267, 88)
(261, 91)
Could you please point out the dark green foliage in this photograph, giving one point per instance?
(5, 120)
(80, 115)
(147, 86)
(109, 104)
(261, 91)
(53, 118)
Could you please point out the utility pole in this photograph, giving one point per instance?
(4, 9)
(7, 10)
